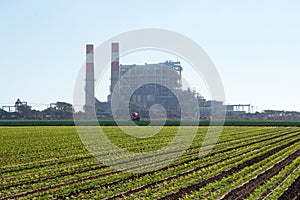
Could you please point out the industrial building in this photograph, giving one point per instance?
(162, 86)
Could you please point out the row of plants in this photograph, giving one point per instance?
(146, 122)
(75, 170)
(142, 182)
(217, 189)
(176, 184)
(81, 157)
(274, 187)
(285, 186)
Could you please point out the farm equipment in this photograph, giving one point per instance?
(135, 116)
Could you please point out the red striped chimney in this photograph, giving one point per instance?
(115, 67)
(89, 58)
(89, 87)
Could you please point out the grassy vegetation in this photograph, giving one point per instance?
(51, 162)
(146, 122)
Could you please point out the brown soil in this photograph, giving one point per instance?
(293, 192)
(243, 191)
(189, 189)
(23, 194)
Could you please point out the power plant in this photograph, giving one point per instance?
(148, 86)
(162, 85)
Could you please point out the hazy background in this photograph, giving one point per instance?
(255, 45)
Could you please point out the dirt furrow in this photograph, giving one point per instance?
(248, 187)
(193, 187)
(293, 192)
(52, 177)
(26, 193)
(162, 169)
(88, 156)
(45, 164)
(100, 167)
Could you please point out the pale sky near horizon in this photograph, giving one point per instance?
(255, 45)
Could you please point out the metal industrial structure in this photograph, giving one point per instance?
(18, 107)
(152, 84)
(164, 81)
(238, 107)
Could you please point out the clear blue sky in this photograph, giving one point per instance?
(255, 45)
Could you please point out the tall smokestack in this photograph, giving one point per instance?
(115, 68)
(89, 87)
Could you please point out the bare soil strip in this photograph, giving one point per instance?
(193, 187)
(293, 192)
(135, 190)
(88, 156)
(52, 177)
(133, 177)
(100, 167)
(244, 190)
(26, 193)
(16, 169)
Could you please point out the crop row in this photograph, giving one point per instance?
(75, 166)
(142, 182)
(77, 174)
(188, 184)
(145, 122)
(61, 161)
(275, 187)
(227, 186)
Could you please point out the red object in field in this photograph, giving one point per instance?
(135, 114)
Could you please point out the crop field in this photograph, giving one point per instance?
(50, 162)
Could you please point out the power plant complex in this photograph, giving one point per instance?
(140, 91)
(149, 84)
(146, 91)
